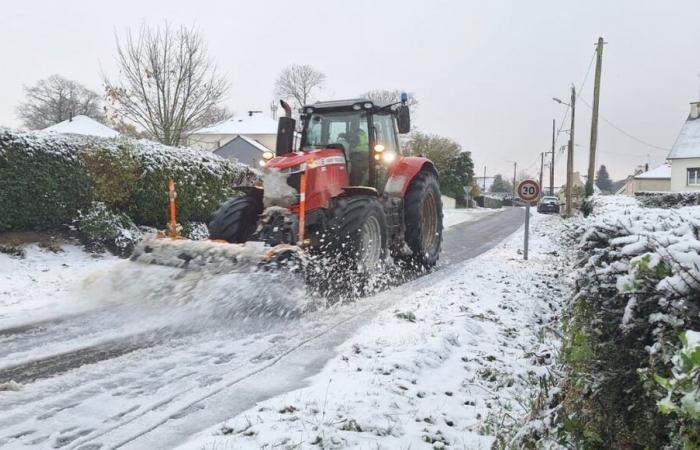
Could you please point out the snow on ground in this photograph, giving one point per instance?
(455, 364)
(33, 286)
(453, 217)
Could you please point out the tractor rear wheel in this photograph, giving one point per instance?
(423, 218)
(236, 219)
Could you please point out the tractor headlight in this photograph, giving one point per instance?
(262, 163)
(268, 155)
(379, 148)
(389, 157)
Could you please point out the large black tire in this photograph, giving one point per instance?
(423, 219)
(357, 223)
(236, 219)
(348, 264)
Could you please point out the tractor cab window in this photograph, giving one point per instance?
(385, 133)
(346, 130)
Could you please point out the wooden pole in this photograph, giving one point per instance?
(551, 168)
(594, 118)
(570, 153)
(541, 169)
(515, 168)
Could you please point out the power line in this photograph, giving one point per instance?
(641, 141)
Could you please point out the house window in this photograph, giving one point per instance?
(694, 176)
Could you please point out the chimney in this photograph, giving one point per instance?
(694, 110)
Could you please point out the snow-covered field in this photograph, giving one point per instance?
(454, 365)
(453, 217)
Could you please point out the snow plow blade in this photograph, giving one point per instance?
(217, 255)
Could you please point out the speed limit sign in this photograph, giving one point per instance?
(528, 190)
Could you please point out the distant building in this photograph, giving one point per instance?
(685, 154)
(243, 149)
(657, 179)
(82, 125)
(254, 130)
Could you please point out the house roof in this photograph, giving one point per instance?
(254, 143)
(255, 124)
(687, 144)
(663, 172)
(82, 125)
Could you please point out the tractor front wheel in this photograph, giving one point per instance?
(236, 219)
(423, 218)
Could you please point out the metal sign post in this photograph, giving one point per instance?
(528, 190)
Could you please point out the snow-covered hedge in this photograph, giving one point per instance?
(637, 291)
(45, 179)
(668, 199)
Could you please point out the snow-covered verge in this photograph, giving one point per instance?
(453, 216)
(455, 365)
(631, 363)
(34, 287)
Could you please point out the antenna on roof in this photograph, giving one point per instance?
(273, 109)
(250, 113)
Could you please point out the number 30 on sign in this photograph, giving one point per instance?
(528, 190)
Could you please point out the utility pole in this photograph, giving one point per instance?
(594, 118)
(570, 153)
(551, 167)
(541, 169)
(515, 168)
(484, 178)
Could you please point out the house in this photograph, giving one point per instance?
(254, 127)
(685, 154)
(82, 125)
(657, 179)
(243, 149)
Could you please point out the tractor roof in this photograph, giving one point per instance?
(343, 104)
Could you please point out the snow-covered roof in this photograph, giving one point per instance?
(82, 125)
(255, 124)
(663, 172)
(687, 144)
(254, 143)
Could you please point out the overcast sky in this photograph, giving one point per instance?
(484, 72)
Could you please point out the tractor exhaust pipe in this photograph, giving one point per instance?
(285, 131)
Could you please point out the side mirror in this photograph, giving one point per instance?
(285, 136)
(403, 119)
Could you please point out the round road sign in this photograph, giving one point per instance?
(528, 190)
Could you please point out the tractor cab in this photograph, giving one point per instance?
(365, 133)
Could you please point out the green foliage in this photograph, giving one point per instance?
(682, 389)
(101, 228)
(45, 180)
(459, 174)
(42, 184)
(114, 174)
(440, 150)
(501, 185)
(602, 180)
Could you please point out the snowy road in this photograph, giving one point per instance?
(148, 372)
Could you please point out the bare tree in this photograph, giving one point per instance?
(297, 82)
(56, 99)
(389, 96)
(215, 115)
(167, 83)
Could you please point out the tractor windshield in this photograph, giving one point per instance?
(348, 129)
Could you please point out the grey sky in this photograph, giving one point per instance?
(484, 72)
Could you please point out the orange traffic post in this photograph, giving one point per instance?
(172, 195)
(302, 201)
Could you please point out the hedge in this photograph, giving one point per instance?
(46, 179)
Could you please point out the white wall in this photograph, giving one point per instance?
(648, 185)
(679, 174)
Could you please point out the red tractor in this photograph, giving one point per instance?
(345, 189)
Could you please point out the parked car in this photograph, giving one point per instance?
(548, 204)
